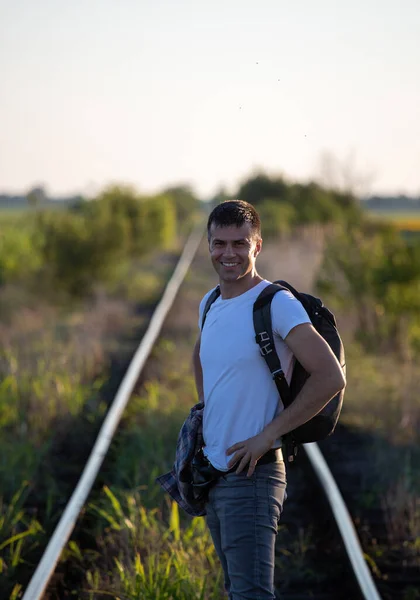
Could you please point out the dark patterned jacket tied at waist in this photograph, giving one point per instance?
(193, 475)
(179, 481)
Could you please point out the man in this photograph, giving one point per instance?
(243, 419)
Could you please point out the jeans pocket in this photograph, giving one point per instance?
(239, 479)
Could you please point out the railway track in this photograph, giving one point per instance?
(318, 566)
(311, 557)
(348, 454)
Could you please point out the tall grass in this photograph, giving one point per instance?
(382, 402)
(146, 549)
(18, 534)
(145, 558)
(55, 384)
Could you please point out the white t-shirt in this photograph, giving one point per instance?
(240, 395)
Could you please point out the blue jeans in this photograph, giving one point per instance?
(242, 515)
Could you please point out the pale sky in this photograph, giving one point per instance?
(159, 92)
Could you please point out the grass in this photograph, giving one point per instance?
(18, 533)
(55, 368)
(402, 220)
(143, 548)
(10, 216)
(148, 550)
(382, 405)
(148, 558)
(387, 387)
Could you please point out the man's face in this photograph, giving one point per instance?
(233, 251)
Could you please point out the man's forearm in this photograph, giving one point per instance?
(315, 394)
(198, 372)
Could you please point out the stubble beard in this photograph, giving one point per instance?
(231, 277)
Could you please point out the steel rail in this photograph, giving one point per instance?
(344, 522)
(67, 522)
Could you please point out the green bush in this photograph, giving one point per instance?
(314, 204)
(277, 218)
(19, 253)
(377, 274)
(309, 202)
(259, 187)
(159, 227)
(77, 251)
(146, 223)
(186, 205)
(87, 244)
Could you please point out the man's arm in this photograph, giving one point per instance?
(326, 379)
(198, 372)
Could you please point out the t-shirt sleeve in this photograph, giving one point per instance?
(286, 313)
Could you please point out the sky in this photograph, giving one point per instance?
(155, 93)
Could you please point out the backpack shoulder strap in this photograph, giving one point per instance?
(289, 288)
(265, 339)
(213, 296)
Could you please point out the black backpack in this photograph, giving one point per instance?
(323, 320)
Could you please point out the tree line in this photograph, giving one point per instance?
(72, 249)
(369, 268)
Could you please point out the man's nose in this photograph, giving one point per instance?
(229, 250)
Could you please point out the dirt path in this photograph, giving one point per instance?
(296, 259)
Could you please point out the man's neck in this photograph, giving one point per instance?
(232, 289)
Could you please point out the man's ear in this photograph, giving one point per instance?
(258, 247)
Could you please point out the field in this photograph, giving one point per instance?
(403, 221)
(60, 366)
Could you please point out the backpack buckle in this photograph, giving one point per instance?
(290, 447)
(279, 374)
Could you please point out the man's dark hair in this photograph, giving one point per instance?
(235, 212)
